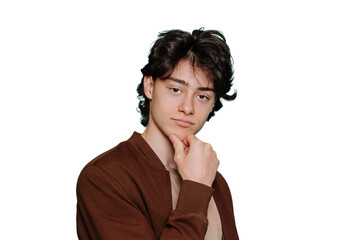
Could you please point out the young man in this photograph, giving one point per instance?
(164, 184)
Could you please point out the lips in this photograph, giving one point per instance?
(182, 122)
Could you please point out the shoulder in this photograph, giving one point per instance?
(111, 160)
(116, 163)
(115, 157)
(111, 171)
(221, 187)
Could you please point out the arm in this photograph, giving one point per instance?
(106, 211)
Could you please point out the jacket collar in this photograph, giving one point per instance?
(139, 143)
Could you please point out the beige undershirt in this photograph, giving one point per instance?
(214, 231)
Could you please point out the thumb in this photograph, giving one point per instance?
(177, 144)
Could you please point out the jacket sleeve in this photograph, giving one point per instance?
(105, 211)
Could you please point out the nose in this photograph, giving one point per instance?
(187, 105)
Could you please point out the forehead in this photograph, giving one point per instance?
(192, 75)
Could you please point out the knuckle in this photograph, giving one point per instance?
(216, 162)
(208, 147)
(177, 157)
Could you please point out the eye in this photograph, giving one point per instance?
(203, 97)
(175, 90)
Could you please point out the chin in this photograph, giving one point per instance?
(183, 133)
(182, 136)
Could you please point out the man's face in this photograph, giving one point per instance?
(181, 104)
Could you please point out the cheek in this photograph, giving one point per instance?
(203, 112)
(162, 106)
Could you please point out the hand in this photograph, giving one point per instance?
(195, 160)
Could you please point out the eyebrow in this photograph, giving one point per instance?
(183, 82)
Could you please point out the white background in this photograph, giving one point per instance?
(288, 145)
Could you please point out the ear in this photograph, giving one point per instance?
(148, 86)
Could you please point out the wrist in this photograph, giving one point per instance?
(194, 196)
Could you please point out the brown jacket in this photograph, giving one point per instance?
(125, 193)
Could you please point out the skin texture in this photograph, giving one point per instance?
(179, 108)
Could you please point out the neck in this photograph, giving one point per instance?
(161, 145)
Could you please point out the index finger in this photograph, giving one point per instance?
(177, 144)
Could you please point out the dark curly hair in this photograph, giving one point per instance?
(205, 49)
